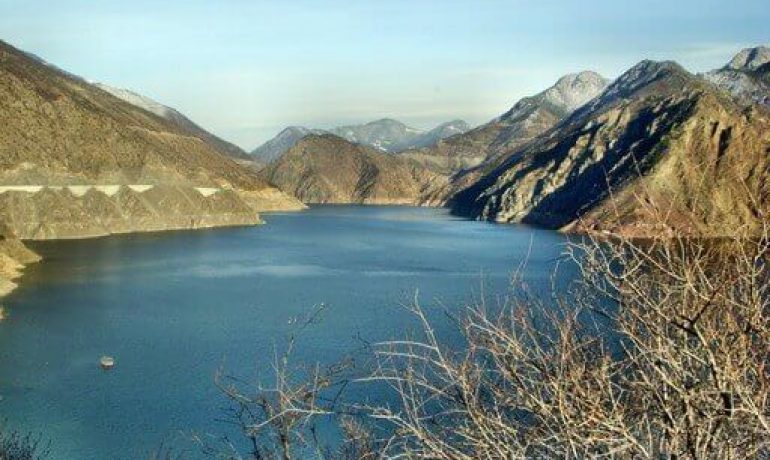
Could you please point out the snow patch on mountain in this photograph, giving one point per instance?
(138, 100)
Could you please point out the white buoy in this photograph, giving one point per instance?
(107, 362)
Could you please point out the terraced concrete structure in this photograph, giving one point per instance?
(59, 212)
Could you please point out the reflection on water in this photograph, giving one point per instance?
(174, 307)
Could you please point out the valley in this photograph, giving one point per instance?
(384, 230)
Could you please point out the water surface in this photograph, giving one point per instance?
(174, 307)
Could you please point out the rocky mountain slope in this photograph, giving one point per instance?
(177, 118)
(528, 118)
(659, 150)
(14, 256)
(329, 169)
(386, 134)
(78, 161)
(746, 76)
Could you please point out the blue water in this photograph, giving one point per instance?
(174, 307)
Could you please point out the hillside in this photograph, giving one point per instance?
(659, 144)
(328, 169)
(77, 161)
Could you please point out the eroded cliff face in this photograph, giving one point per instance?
(329, 169)
(659, 150)
(60, 135)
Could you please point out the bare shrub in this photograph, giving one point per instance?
(662, 353)
(280, 421)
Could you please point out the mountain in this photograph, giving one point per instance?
(329, 169)
(77, 161)
(285, 140)
(177, 118)
(528, 118)
(659, 150)
(386, 134)
(750, 58)
(429, 138)
(746, 76)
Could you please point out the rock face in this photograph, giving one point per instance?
(57, 130)
(658, 150)
(527, 119)
(177, 118)
(387, 135)
(14, 256)
(746, 76)
(329, 169)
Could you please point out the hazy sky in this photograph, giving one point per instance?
(245, 69)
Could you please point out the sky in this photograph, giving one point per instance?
(245, 69)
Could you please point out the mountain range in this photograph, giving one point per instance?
(385, 134)
(657, 149)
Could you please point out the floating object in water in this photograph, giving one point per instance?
(107, 362)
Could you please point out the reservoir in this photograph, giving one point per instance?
(173, 308)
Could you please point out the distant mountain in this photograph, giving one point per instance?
(386, 134)
(329, 169)
(285, 140)
(659, 150)
(175, 117)
(750, 59)
(527, 119)
(442, 131)
(746, 76)
(77, 161)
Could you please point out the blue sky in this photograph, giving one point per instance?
(245, 69)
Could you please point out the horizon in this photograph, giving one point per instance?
(206, 62)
